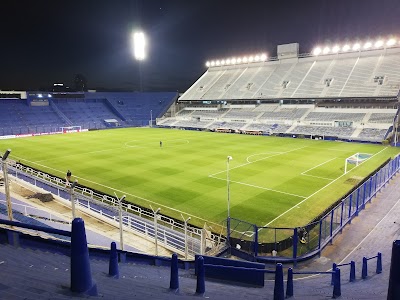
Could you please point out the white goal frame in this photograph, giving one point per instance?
(355, 157)
(69, 129)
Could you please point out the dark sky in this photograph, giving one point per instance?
(43, 42)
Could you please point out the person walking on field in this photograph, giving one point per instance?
(160, 144)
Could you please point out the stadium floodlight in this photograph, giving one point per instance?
(233, 61)
(49, 95)
(208, 64)
(245, 59)
(317, 51)
(139, 45)
(228, 61)
(263, 57)
(346, 48)
(257, 58)
(251, 59)
(223, 62)
(378, 44)
(391, 42)
(326, 50)
(335, 49)
(212, 63)
(217, 63)
(40, 96)
(239, 60)
(367, 45)
(356, 47)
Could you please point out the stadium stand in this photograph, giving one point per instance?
(351, 95)
(36, 113)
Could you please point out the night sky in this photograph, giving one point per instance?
(43, 42)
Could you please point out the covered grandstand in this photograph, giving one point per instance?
(348, 95)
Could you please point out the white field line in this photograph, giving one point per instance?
(325, 178)
(77, 154)
(317, 166)
(126, 145)
(304, 173)
(248, 157)
(285, 212)
(165, 144)
(122, 192)
(257, 160)
(259, 187)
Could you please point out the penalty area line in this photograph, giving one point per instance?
(259, 187)
(285, 212)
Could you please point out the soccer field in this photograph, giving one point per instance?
(273, 181)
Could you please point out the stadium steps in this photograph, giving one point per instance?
(36, 274)
(60, 113)
(366, 118)
(356, 132)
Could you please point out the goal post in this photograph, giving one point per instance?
(355, 160)
(69, 129)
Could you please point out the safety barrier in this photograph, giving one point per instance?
(335, 275)
(273, 244)
(352, 265)
(364, 272)
(170, 232)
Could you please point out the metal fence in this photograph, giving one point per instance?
(170, 233)
(301, 242)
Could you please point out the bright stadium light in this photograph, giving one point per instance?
(208, 64)
(251, 59)
(378, 44)
(233, 61)
(263, 57)
(367, 45)
(212, 63)
(356, 47)
(326, 50)
(391, 42)
(245, 59)
(346, 48)
(317, 51)
(228, 61)
(239, 60)
(335, 49)
(139, 45)
(257, 58)
(222, 62)
(217, 63)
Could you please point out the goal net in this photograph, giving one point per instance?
(69, 129)
(354, 160)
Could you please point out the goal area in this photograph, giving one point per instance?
(69, 129)
(354, 160)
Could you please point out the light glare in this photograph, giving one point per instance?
(335, 49)
(326, 50)
(346, 48)
(391, 42)
(378, 44)
(207, 64)
(356, 47)
(263, 57)
(139, 45)
(317, 51)
(367, 45)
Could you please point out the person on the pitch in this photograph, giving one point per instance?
(160, 144)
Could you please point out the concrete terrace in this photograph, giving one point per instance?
(33, 274)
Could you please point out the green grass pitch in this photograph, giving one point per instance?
(274, 181)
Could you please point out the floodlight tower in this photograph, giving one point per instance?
(139, 50)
